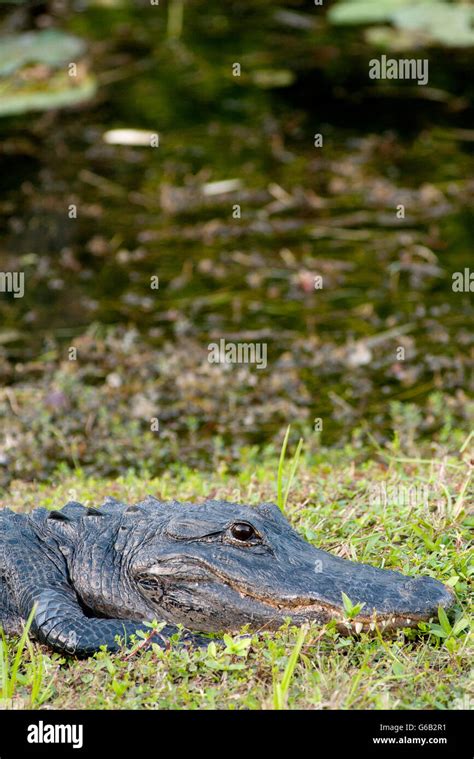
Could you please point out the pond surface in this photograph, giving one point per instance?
(308, 215)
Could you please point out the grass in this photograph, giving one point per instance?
(282, 495)
(281, 688)
(16, 677)
(10, 661)
(331, 505)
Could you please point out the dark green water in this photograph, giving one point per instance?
(305, 211)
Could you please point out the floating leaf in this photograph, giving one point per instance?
(450, 25)
(34, 72)
(364, 11)
(435, 21)
(394, 39)
(23, 100)
(49, 46)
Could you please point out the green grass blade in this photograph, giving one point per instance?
(4, 663)
(280, 689)
(19, 652)
(444, 621)
(283, 493)
(293, 470)
(280, 469)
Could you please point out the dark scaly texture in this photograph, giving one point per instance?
(97, 575)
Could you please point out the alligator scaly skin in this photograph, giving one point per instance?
(34, 572)
(93, 575)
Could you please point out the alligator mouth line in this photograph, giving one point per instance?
(362, 623)
(387, 621)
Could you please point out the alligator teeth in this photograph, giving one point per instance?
(408, 621)
(384, 622)
(393, 620)
(358, 627)
(372, 626)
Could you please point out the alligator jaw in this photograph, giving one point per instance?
(359, 624)
(384, 622)
(396, 602)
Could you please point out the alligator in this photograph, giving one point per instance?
(92, 577)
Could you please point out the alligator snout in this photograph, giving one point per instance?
(426, 595)
(400, 601)
(387, 598)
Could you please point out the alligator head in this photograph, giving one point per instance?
(218, 566)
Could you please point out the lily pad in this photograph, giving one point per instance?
(388, 37)
(450, 25)
(34, 72)
(433, 22)
(365, 11)
(58, 96)
(49, 46)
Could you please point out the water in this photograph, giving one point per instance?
(306, 212)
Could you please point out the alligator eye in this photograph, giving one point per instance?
(242, 531)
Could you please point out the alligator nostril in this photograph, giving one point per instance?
(429, 594)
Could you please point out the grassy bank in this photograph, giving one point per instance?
(375, 506)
